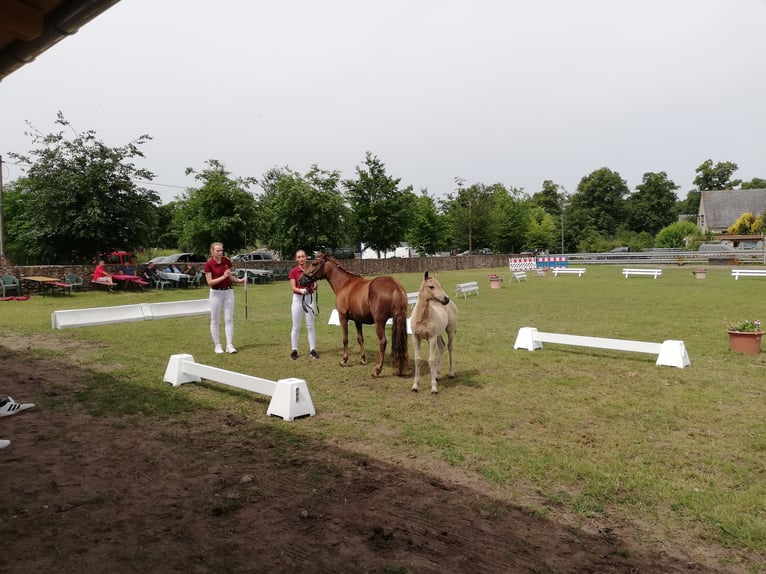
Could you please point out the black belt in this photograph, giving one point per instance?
(221, 288)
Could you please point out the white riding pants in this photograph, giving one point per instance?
(222, 298)
(298, 314)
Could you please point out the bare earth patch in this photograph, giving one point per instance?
(213, 492)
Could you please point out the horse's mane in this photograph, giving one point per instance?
(338, 265)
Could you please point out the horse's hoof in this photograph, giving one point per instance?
(452, 376)
(434, 392)
(342, 364)
(414, 390)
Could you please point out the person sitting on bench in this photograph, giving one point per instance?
(101, 275)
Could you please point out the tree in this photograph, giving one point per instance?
(217, 211)
(675, 234)
(599, 202)
(716, 177)
(302, 212)
(511, 214)
(550, 198)
(747, 224)
(80, 198)
(429, 231)
(652, 206)
(755, 183)
(541, 231)
(381, 212)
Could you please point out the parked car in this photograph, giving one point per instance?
(621, 249)
(178, 258)
(254, 256)
(117, 258)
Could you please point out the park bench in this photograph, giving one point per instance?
(412, 298)
(737, 273)
(466, 289)
(519, 275)
(648, 272)
(568, 271)
(59, 287)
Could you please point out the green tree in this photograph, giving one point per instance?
(541, 231)
(550, 198)
(755, 183)
(652, 206)
(381, 213)
(717, 176)
(510, 217)
(302, 212)
(429, 229)
(690, 205)
(80, 198)
(599, 203)
(675, 234)
(218, 210)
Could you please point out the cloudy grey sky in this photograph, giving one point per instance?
(492, 91)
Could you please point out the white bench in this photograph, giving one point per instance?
(568, 271)
(737, 273)
(466, 289)
(412, 298)
(519, 275)
(127, 313)
(290, 398)
(649, 272)
(670, 353)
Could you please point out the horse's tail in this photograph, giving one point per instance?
(399, 340)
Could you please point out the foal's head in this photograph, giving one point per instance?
(430, 289)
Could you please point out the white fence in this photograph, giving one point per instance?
(128, 313)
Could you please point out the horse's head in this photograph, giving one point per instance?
(430, 289)
(314, 271)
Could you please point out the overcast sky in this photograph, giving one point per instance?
(492, 91)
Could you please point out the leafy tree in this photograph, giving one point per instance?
(302, 212)
(598, 205)
(747, 224)
(550, 198)
(652, 206)
(716, 177)
(381, 212)
(511, 215)
(675, 234)
(690, 205)
(541, 231)
(80, 198)
(755, 183)
(217, 211)
(429, 229)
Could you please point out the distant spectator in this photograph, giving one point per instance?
(126, 269)
(101, 275)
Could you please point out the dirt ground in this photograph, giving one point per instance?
(220, 493)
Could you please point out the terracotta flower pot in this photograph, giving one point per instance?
(745, 342)
(496, 283)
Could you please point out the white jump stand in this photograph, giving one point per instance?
(290, 398)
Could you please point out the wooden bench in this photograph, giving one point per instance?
(466, 289)
(648, 272)
(568, 271)
(519, 275)
(737, 273)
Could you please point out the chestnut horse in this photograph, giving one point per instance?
(365, 302)
(432, 315)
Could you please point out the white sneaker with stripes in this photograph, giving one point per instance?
(10, 407)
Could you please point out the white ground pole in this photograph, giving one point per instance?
(290, 398)
(669, 353)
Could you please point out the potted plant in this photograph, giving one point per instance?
(495, 281)
(745, 337)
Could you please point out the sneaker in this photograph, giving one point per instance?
(218, 349)
(294, 355)
(4, 443)
(230, 349)
(314, 353)
(10, 407)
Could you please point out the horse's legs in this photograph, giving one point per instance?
(380, 331)
(434, 344)
(344, 329)
(360, 340)
(440, 345)
(450, 343)
(416, 345)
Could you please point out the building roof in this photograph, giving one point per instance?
(719, 209)
(29, 27)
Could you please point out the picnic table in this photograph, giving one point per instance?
(39, 283)
(126, 280)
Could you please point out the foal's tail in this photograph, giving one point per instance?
(399, 339)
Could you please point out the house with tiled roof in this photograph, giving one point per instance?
(719, 209)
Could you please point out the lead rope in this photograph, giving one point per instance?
(308, 307)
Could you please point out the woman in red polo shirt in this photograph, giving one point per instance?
(219, 279)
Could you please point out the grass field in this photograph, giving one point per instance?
(564, 429)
